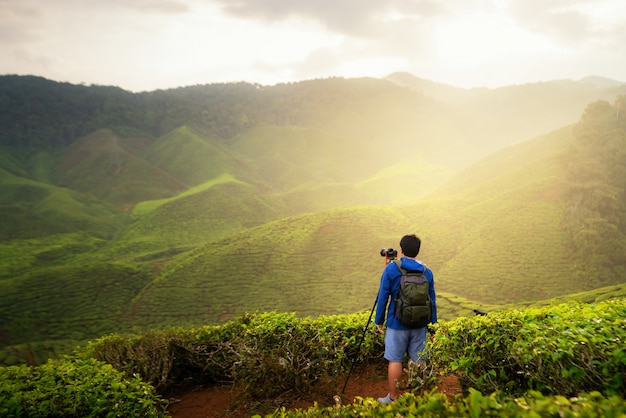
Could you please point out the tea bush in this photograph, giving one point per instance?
(474, 405)
(292, 353)
(75, 388)
(564, 349)
(565, 360)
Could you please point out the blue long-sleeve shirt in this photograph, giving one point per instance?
(389, 286)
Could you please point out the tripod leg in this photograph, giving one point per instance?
(358, 349)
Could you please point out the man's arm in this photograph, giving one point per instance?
(381, 303)
(433, 297)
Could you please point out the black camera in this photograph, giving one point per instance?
(389, 253)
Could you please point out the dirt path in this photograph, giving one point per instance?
(224, 401)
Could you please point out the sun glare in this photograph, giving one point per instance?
(485, 43)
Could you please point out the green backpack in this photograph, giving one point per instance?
(413, 306)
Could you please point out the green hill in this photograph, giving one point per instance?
(73, 301)
(410, 179)
(101, 164)
(281, 198)
(597, 295)
(509, 238)
(32, 209)
(324, 262)
(288, 156)
(191, 158)
(205, 213)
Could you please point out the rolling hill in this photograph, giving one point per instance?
(195, 205)
(503, 239)
(193, 159)
(33, 209)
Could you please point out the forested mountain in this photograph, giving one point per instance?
(154, 209)
(517, 112)
(47, 114)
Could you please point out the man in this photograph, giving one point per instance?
(400, 339)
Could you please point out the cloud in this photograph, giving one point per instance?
(69, 37)
(27, 21)
(146, 44)
(560, 20)
(375, 36)
(571, 22)
(360, 18)
(15, 18)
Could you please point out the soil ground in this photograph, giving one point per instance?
(227, 401)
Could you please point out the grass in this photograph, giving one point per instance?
(310, 261)
(408, 181)
(190, 158)
(103, 165)
(146, 207)
(208, 212)
(34, 209)
(24, 255)
(68, 302)
(596, 295)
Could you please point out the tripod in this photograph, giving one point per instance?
(358, 348)
(388, 259)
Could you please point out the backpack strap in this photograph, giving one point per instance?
(398, 264)
(404, 271)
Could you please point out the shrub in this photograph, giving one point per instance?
(473, 405)
(564, 349)
(149, 355)
(292, 353)
(568, 356)
(75, 388)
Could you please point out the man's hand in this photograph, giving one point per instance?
(380, 328)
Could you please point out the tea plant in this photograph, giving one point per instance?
(293, 353)
(473, 405)
(564, 349)
(75, 388)
(567, 360)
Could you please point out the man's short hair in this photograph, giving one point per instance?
(410, 245)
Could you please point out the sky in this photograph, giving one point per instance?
(144, 45)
